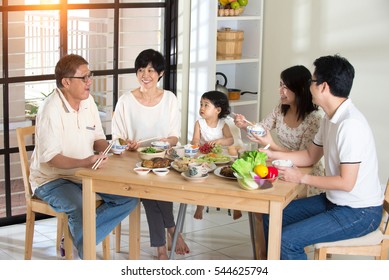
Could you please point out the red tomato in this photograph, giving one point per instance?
(273, 172)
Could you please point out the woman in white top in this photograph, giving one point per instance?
(145, 112)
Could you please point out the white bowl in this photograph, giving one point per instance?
(147, 156)
(160, 144)
(160, 171)
(118, 149)
(282, 163)
(190, 150)
(142, 170)
(256, 129)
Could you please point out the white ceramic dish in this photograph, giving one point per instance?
(256, 129)
(190, 151)
(118, 149)
(142, 155)
(217, 173)
(282, 163)
(160, 144)
(220, 159)
(139, 164)
(160, 171)
(142, 170)
(194, 179)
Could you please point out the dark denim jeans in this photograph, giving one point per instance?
(66, 196)
(314, 219)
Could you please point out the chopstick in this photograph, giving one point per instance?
(250, 123)
(145, 140)
(98, 162)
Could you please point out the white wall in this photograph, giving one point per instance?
(299, 31)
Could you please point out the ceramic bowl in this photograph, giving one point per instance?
(160, 171)
(282, 163)
(190, 150)
(118, 149)
(142, 170)
(160, 144)
(147, 156)
(256, 129)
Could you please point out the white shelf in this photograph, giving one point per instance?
(235, 18)
(243, 73)
(246, 99)
(237, 61)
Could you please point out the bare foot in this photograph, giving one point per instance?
(162, 253)
(199, 212)
(236, 214)
(181, 247)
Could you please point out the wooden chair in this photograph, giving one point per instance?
(35, 205)
(375, 244)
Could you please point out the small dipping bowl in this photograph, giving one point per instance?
(142, 170)
(160, 171)
(282, 163)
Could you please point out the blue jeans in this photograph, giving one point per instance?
(315, 219)
(66, 196)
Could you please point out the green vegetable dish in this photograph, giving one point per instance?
(150, 150)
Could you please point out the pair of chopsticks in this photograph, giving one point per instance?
(250, 123)
(98, 162)
(148, 139)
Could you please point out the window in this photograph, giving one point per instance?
(36, 33)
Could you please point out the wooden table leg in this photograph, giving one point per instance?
(89, 219)
(134, 234)
(275, 230)
(257, 236)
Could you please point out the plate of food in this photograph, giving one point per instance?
(181, 165)
(156, 162)
(215, 158)
(225, 172)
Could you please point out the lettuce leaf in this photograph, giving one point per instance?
(247, 161)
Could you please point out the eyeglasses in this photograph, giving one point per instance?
(312, 81)
(85, 78)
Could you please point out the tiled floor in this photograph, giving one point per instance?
(216, 237)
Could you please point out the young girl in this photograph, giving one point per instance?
(211, 127)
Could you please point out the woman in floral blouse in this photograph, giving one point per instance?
(295, 120)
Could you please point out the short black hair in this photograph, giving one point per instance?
(297, 79)
(152, 57)
(337, 72)
(219, 99)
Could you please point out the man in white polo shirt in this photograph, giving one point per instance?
(68, 133)
(352, 204)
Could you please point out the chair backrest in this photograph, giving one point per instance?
(385, 218)
(21, 134)
(235, 131)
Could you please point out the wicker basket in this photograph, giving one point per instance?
(229, 44)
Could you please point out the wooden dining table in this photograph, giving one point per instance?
(117, 177)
